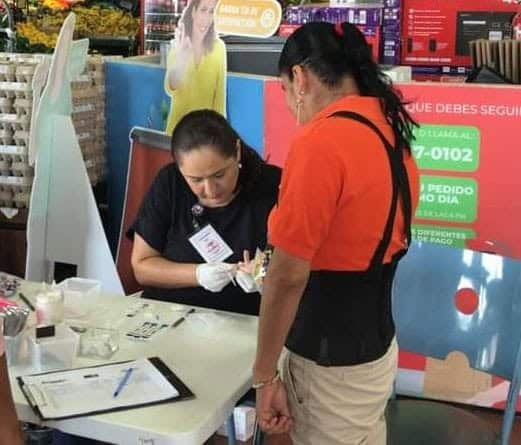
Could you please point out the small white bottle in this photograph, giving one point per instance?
(49, 307)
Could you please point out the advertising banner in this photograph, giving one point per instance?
(468, 152)
(250, 18)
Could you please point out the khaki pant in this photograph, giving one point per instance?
(339, 405)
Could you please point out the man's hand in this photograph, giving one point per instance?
(273, 414)
(11, 436)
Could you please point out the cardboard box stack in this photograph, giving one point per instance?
(367, 16)
(502, 56)
(88, 116)
(16, 107)
(16, 100)
(391, 32)
(244, 422)
(436, 34)
(432, 37)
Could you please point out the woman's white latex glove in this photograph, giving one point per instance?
(214, 276)
(246, 281)
(244, 276)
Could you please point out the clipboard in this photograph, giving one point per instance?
(155, 383)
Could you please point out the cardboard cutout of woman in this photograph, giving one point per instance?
(196, 64)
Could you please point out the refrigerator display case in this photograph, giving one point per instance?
(158, 23)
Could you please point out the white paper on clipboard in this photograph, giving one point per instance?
(84, 391)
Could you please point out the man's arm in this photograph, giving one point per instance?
(10, 433)
(282, 290)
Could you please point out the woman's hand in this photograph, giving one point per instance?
(182, 49)
(246, 265)
(182, 42)
(244, 274)
(214, 277)
(246, 282)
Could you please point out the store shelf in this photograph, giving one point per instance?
(13, 149)
(13, 118)
(109, 40)
(159, 35)
(168, 14)
(158, 23)
(124, 46)
(16, 180)
(84, 108)
(15, 86)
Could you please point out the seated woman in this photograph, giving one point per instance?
(202, 212)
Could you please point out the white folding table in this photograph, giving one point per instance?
(212, 352)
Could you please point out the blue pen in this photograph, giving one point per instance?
(123, 381)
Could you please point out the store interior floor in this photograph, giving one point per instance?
(494, 417)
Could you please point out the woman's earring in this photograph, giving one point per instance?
(299, 107)
(239, 165)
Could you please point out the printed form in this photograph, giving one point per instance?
(88, 390)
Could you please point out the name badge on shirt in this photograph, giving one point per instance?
(210, 245)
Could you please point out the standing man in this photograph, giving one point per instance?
(343, 220)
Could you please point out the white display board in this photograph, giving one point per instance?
(64, 224)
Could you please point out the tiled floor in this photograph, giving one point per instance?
(491, 416)
(495, 418)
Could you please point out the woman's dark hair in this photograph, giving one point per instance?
(332, 52)
(209, 128)
(188, 22)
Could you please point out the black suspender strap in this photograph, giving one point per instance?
(400, 186)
